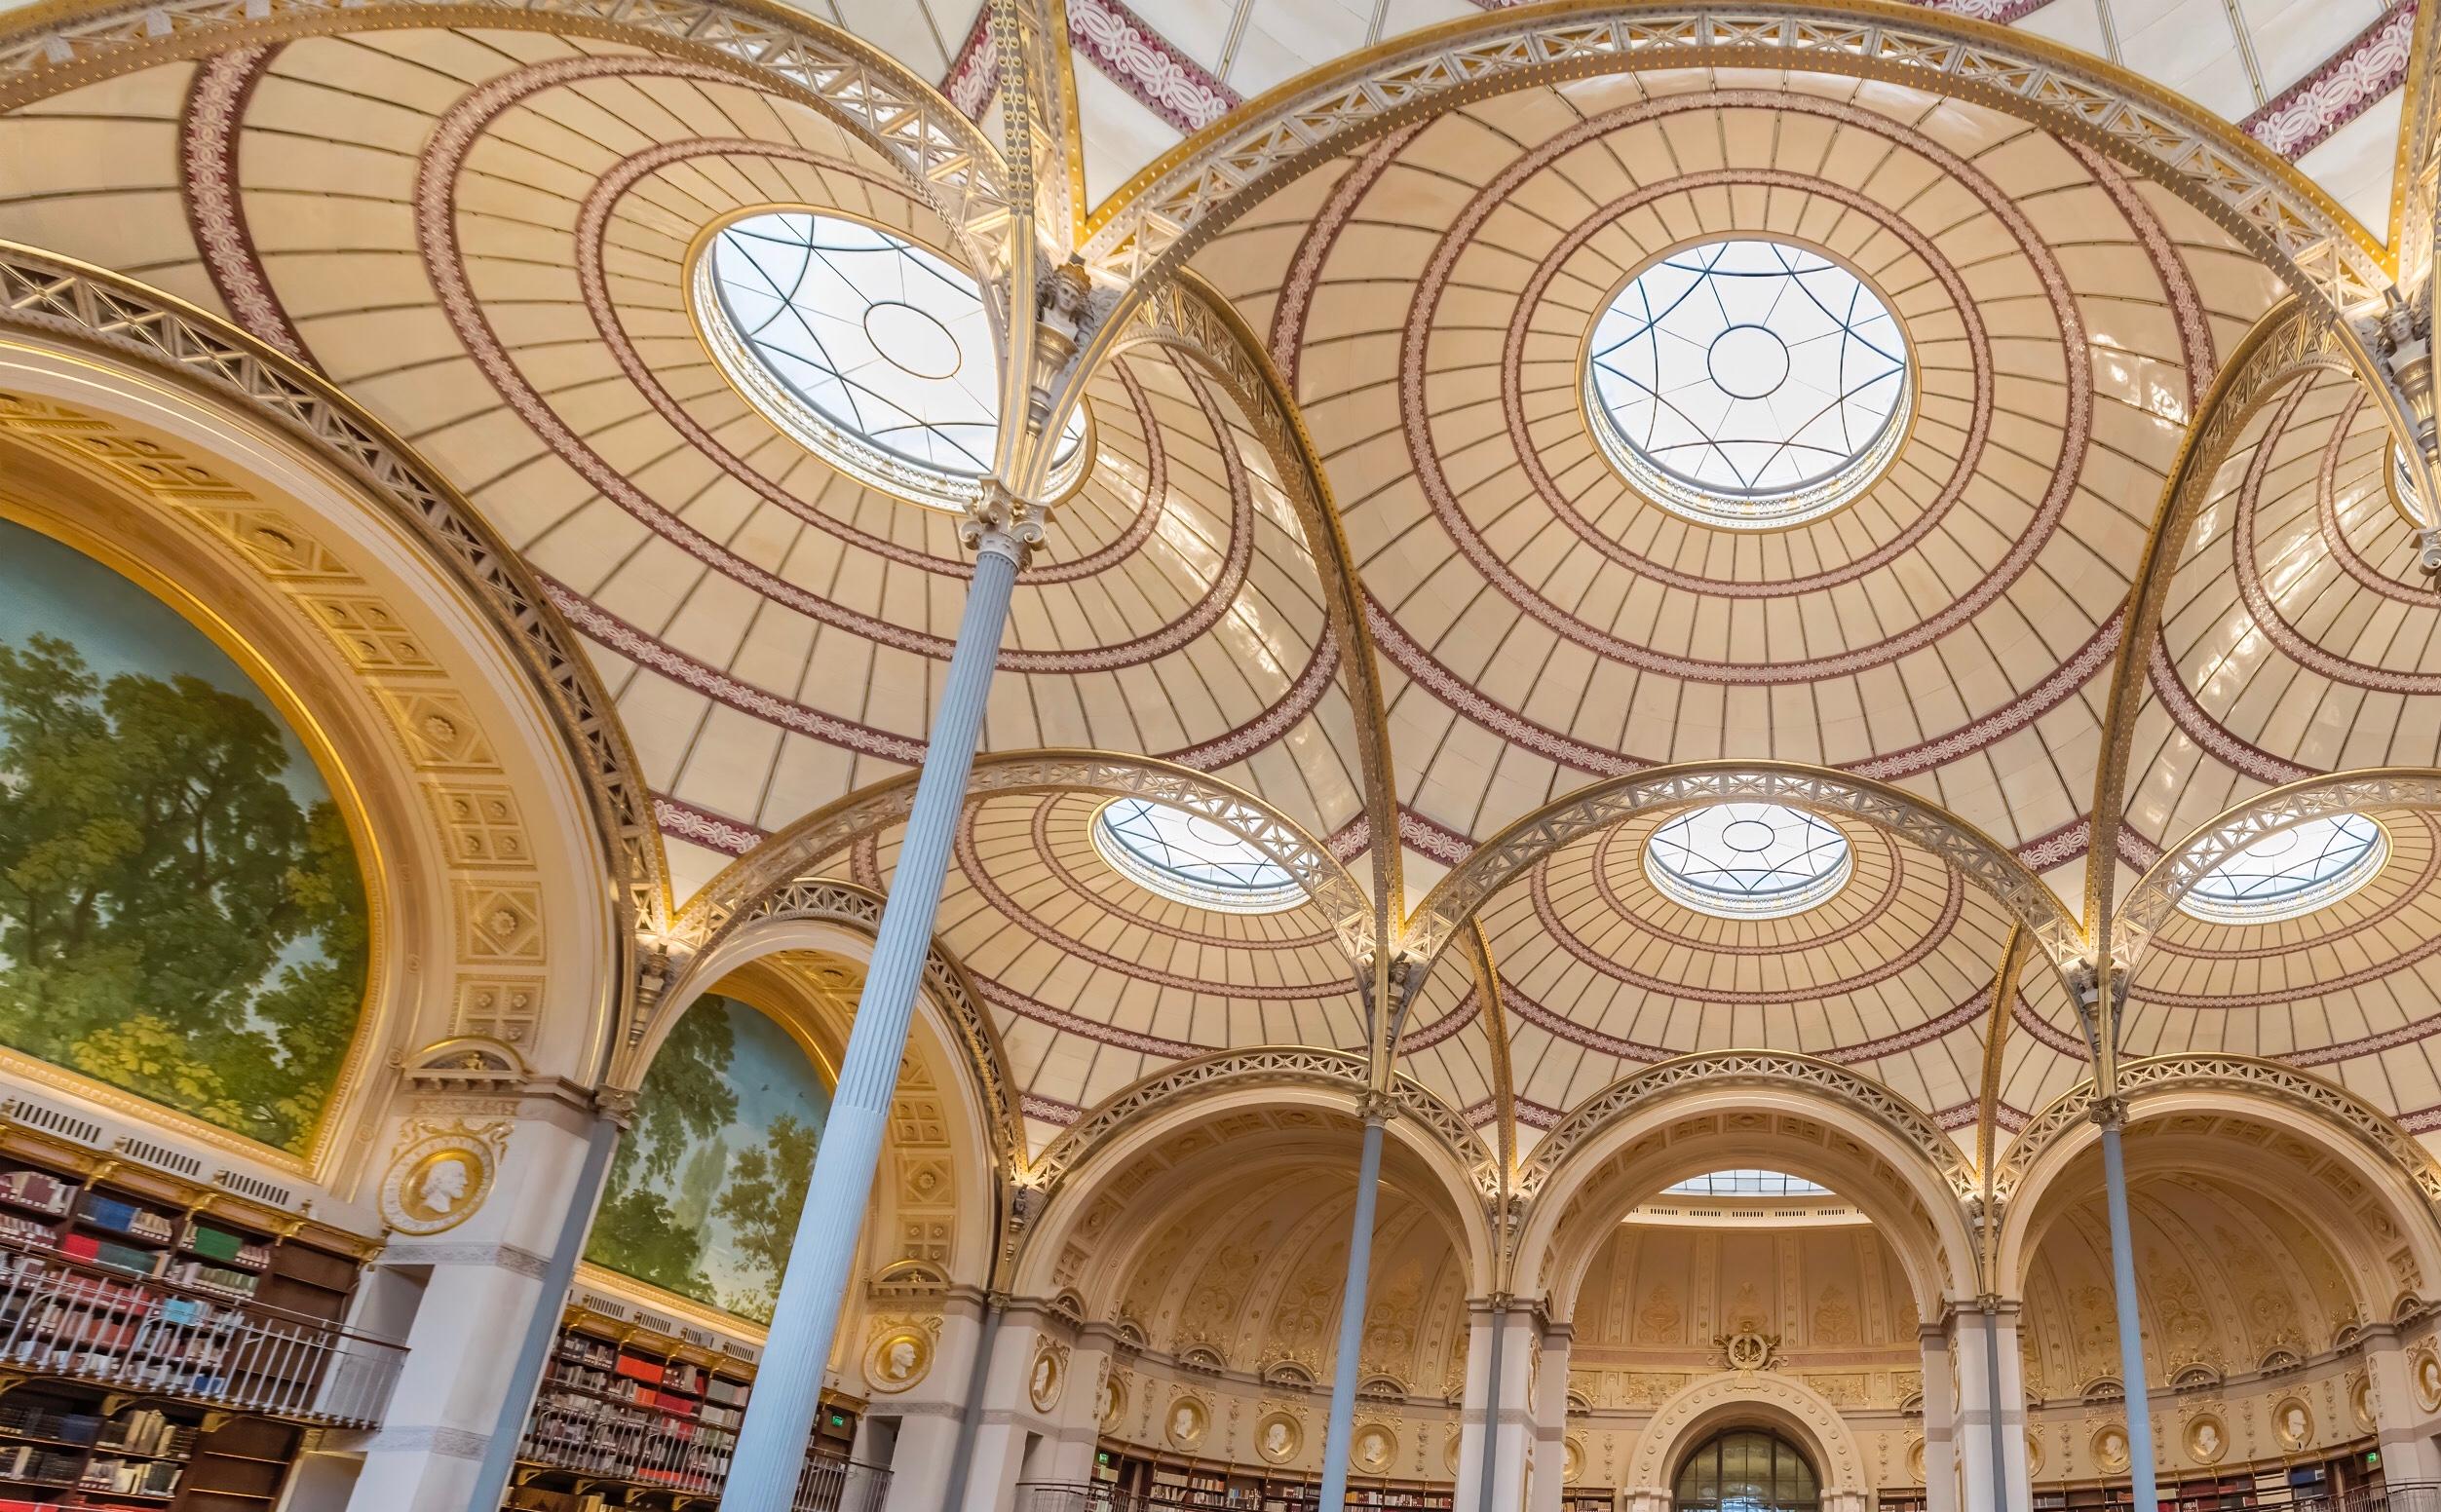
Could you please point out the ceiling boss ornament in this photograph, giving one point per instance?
(1748, 1350)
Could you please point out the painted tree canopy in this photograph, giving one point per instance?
(181, 911)
(704, 1194)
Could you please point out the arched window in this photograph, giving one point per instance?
(1747, 1470)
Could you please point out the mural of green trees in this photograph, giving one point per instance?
(704, 1196)
(181, 910)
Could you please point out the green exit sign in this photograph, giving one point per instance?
(838, 1419)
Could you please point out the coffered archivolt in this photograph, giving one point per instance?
(325, 436)
(2378, 1169)
(492, 914)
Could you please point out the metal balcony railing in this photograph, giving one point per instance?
(60, 1317)
(591, 1434)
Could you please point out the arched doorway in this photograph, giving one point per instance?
(1746, 1470)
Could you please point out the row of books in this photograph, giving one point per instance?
(37, 1189)
(36, 1462)
(126, 1217)
(146, 1431)
(137, 1477)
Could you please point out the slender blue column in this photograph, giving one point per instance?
(525, 1376)
(1492, 1407)
(787, 1387)
(1343, 1420)
(2001, 1499)
(2131, 1345)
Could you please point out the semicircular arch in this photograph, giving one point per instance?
(1809, 1117)
(1776, 1403)
(2370, 1146)
(1107, 1139)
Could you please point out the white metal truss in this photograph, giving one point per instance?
(2149, 902)
(1746, 1068)
(1182, 204)
(1510, 853)
(945, 156)
(737, 894)
(1342, 1071)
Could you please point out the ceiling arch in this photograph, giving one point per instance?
(1190, 194)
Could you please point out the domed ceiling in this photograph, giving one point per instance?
(1404, 649)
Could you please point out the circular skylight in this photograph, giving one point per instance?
(1748, 384)
(1747, 861)
(1187, 857)
(874, 353)
(1746, 1183)
(2294, 871)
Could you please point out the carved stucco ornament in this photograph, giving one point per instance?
(440, 1174)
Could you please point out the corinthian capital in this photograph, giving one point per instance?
(1000, 522)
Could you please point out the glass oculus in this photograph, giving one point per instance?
(1748, 384)
(1747, 861)
(872, 352)
(1746, 1183)
(1190, 859)
(2294, 871)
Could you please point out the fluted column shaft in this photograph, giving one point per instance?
(2131, 1343)
(780, 1414)
(1342, 1423)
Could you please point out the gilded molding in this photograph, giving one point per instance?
(2290, 339)
(1184, 199)
(2154, 1076)
(942, 153)
(1514, 852)
(57, 297)
(1337, 1070)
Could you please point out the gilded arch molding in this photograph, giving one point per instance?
(1186, 315)
(1184, 199)
(2182, 866)
(945, 157)
(1746, 1068)
(828, 902)
(2054, 1132)
(1921, 1168)
(472, 908)
(2287, 342)
(121, 321)
(746, 891)
(1512, 852)
(1335, 1071)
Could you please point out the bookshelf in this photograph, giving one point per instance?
(185, 1246)
(60, 1447)
(2258, 1488)
(627, 1418)
(144, 1283)
(1580, 1498)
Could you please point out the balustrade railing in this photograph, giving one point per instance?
(62, 1318)
(593, 1434)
